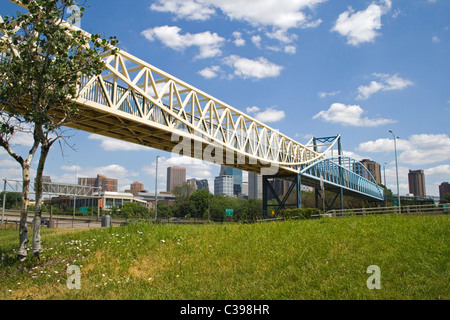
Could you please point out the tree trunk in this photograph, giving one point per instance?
(45, 148)
(23, 229)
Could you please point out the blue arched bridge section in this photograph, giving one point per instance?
(341, 172)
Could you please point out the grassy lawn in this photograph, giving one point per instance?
(291, 260)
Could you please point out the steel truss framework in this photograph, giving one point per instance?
(51, 188)
(340, 174)
(136, 102)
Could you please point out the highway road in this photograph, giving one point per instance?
(60, 221)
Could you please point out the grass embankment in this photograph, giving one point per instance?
(316, 259)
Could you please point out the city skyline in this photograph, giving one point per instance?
(416, 182)
(320, 75)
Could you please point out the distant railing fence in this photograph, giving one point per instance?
(405, 210)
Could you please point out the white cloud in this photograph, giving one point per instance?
(366, 91)
(281, 35)
(9, 163)
(185, 9)
(238, 40)
(418, 149)
(208, 43)
(322, 94)
(435, 39)
(11, 170)
(385, 82)
(257, 41)
(280, 14)
(290, 49)
(439, 171)
(113, 171)
(254, 69)
(381, 145)
(361, 26)
(349, 116)
(427, 148)
(23, 133)
(110, 144)
(269, 115)
(210, 72)
(24, 139)
(274, 17)
(252, 109)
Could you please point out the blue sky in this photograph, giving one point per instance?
(305, 67)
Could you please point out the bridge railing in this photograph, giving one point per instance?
(345, 172)
(405, 210)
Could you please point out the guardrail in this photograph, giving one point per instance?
(405, 210)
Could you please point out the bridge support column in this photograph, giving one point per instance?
(280, 192)
(339, 194)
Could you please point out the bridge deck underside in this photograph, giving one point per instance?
(105, 123)
(102, 122)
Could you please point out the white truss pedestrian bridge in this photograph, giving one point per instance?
(136, 102)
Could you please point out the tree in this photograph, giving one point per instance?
(255, 209)
(200, 199)
(11, 126)
(445, 199)
(134, 210)
(12, 200)
(164, 211)
(218, 205)
(43, 63)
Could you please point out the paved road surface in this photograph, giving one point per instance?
(62, 221)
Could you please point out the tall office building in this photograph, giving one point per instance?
(280, 186)
(224, 185)
(416, 180)
(444, 188)
(203, 184)
(237, 178)
(175, 177)
(107, 184)
(245, 189)
(199, 184)
(136, 187)
(254, 186)
(374, 168)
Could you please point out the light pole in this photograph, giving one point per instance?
(4, 201)
(396, 170)
(385, 186)
(156, 190)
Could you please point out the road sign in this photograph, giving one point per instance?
(229, 212)
(84, 210)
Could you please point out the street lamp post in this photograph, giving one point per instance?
(396, 170)
(156, 190)
(385, 185)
